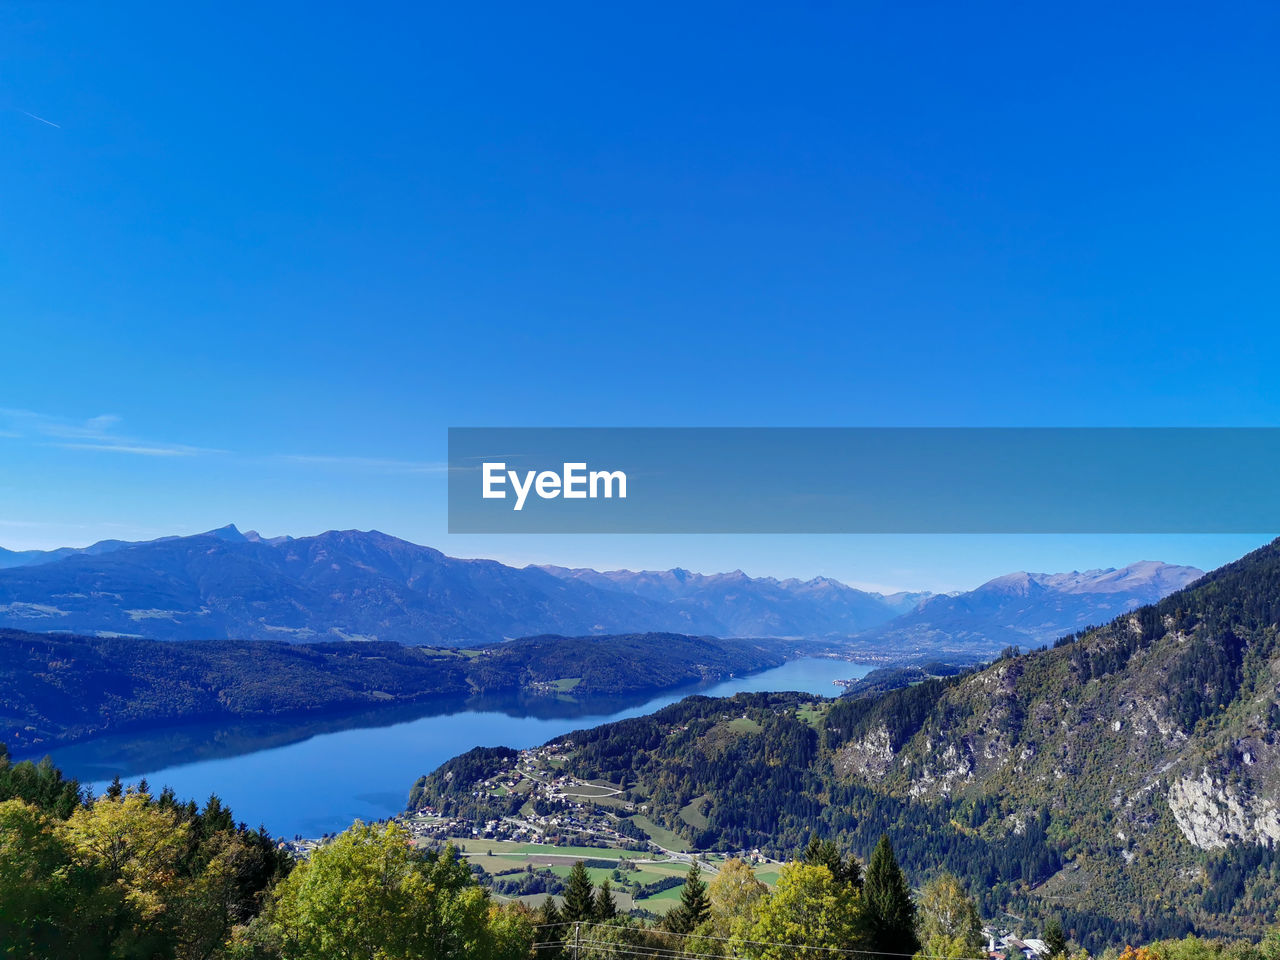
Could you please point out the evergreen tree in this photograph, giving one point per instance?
(579, 895)
(695, 904)
(1055, 939)
(606, 906)
(891, 913)
(548, 929)
(825, 853)
(549, 914)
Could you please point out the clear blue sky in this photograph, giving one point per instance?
(270, 252)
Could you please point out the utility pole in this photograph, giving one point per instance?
(576, 927)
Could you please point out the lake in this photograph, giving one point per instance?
(314, 776)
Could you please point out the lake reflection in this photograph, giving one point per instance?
(316, 775)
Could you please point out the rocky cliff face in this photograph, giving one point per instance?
(1212, 814)
(869, 757)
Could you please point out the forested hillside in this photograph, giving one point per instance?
(1124, 779)
(56, 688)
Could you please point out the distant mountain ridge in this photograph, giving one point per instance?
(755, 606)
(1028, 609)
(354, 585)
(340, 585)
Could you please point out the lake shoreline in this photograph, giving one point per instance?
(517, 703)
(313, 777)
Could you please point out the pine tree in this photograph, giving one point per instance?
(606, 906)
(579, 895)
(695, 904)
(825, 853)
(1055, 939)
(549, 914)
(891, 913)
(548, 929)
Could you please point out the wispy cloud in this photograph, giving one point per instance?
(94, 434)
(375, 464)
(102, 434)
(141, 449)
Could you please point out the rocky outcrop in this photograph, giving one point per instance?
(870, 757)
(1211, 814)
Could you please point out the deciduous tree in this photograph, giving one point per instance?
(949, 924)
(734, 893)
(808, 915)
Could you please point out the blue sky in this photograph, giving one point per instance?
(269, 253)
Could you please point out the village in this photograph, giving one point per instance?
(565, 819)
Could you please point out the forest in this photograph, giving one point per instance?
(129, 875)
(59, 688)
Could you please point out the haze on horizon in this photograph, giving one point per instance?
(929, 557)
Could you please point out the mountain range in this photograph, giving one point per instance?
(340, 585)
(354, 585)
(755, 606)
(1027, 609)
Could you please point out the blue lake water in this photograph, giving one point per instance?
(316, 776)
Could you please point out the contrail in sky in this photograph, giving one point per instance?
(42, 119)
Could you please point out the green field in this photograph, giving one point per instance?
(812, 714)
(662, 836)
(589, 791)
(743, 725)
(534, 900)
(767, 875)
(691, 813)
(661, 902)
(501, 857)
(613, 803)
(512, 848)
(595, 873)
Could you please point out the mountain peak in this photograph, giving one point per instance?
(231, 533)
